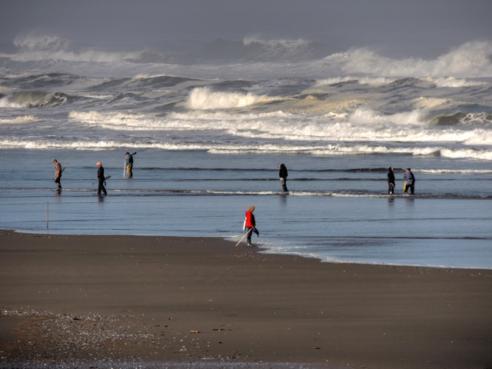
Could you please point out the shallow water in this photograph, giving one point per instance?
(337, 209)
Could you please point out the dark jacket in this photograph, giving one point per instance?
(391, 176)
(283, 172)
(100, 174)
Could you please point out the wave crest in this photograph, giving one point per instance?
(33, 99)
(472, 59)
(21, 119)
(202, 98)
(41, 42)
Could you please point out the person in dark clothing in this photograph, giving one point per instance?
(391, 181)
(409, 181)
(129, 164)
(58, 173)
(101, 179)
(283, 173)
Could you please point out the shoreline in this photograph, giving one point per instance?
(145, 300)
(260, 249)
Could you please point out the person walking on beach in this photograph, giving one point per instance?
(391, 181)
(129, 164)
(250, 224)
(283, 173)
(409, 181)
(58, 173)
(101, 179)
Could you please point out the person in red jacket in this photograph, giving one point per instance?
(250, 224)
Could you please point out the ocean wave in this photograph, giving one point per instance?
(140, 81)
(202, 98)
(21, 119)
(452, 82)
(32, 41)
(40, 81)
(120, 121)
(454, 171)
(33, 99)
(427, 103)
(259, 58)
(241, 149)
(362, 125)
(369, 116)
(471, 59)
(370, 81)
(480, 118)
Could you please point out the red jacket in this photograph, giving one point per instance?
(250, 220)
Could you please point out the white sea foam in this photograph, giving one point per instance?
(6, 103)
(202, 98)
(46, 42)
(430, 102)
(466, 154)
(21, 119)
(318, 150)
(454, 171)
(453, 82)
(368, 116)
(371, 81)
(477, 118)
(117, 120)
(275, 43)
(452, 69)
(362, 125)
(30, 99)
(38, 47)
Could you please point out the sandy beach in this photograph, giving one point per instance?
(102, 300)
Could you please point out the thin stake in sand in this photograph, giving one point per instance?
(47, 216)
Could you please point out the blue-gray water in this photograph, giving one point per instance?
(210, 138)
(336, 210)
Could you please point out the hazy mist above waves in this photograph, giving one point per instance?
(218, 28)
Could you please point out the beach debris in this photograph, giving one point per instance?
(194, 331)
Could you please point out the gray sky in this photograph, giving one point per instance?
(399, 28)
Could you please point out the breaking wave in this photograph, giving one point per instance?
(41, 42)
(33, 99)
(202, 98)
(351, 103)
(40, 81)
(263, 58)
(21, 119)
(362, 125)
(463, 118)
(371, 81)
(472, 59)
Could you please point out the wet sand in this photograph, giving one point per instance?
(112, 299)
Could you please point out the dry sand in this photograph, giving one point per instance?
(104, 300)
